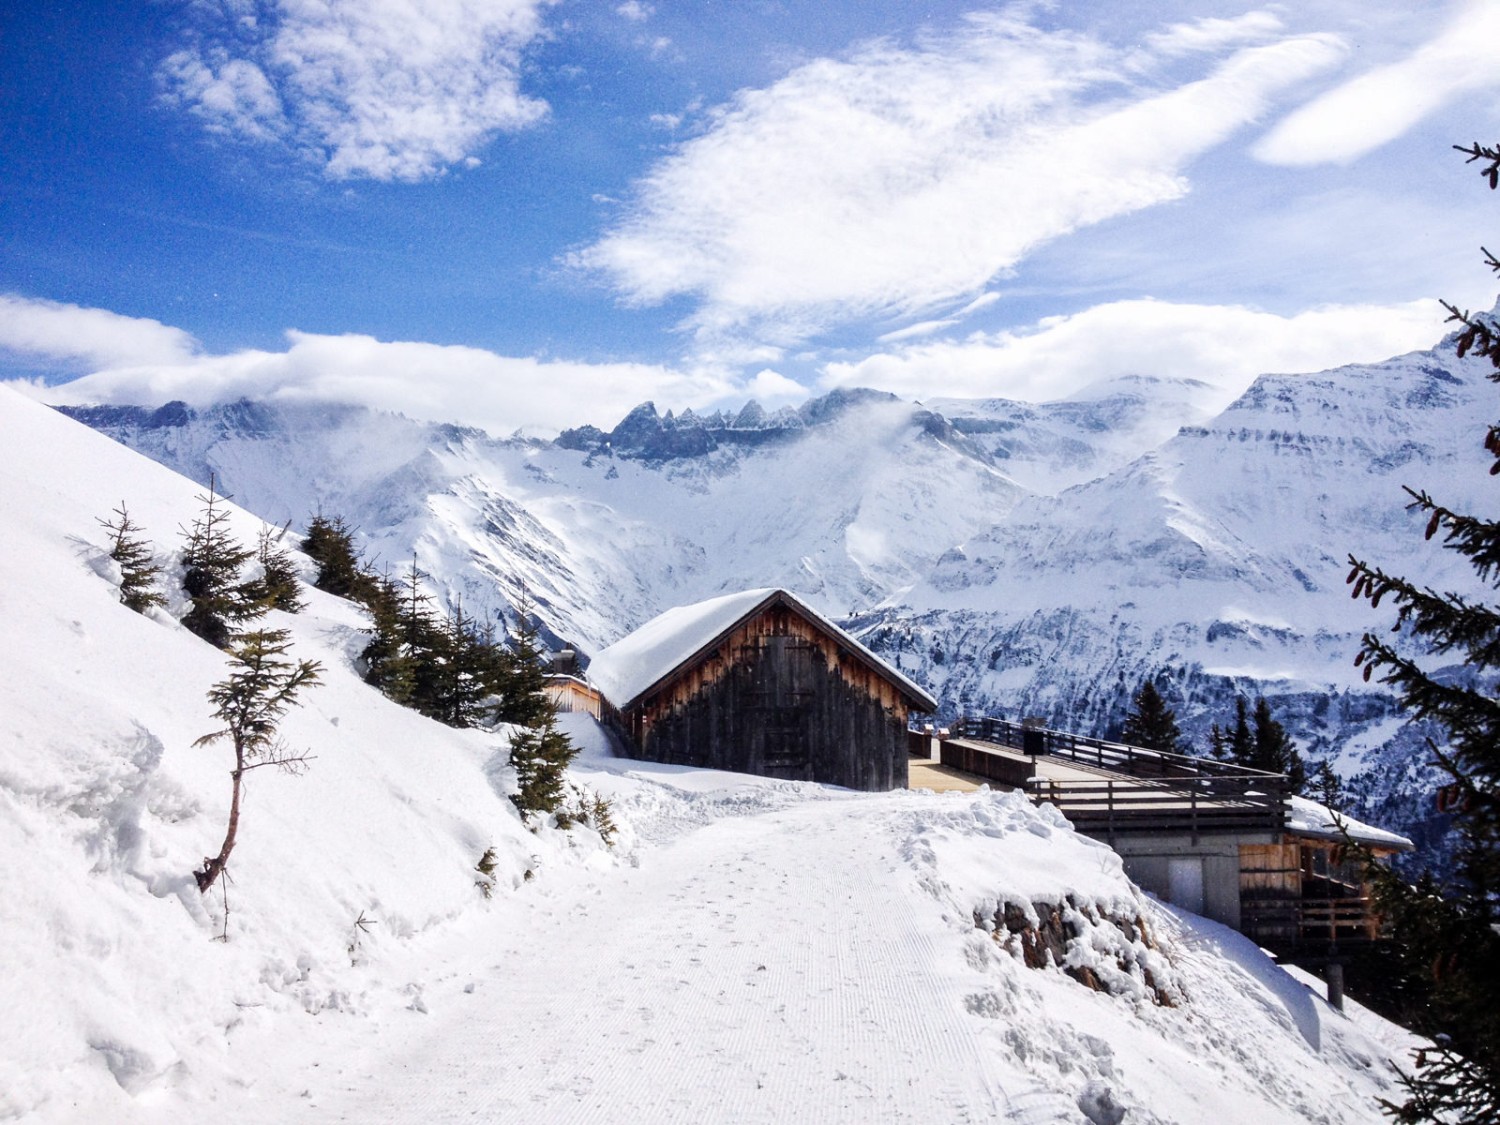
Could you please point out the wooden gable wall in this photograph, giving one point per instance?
(778, 697)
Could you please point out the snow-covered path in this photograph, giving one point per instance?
(690, 989)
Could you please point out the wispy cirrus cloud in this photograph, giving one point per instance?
(899, 180)
(1385, 102)
(1226, 346)
(384, 89)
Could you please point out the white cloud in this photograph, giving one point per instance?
(1212, 34)
(145, 362)
(1384, 103)
(635, 11)
(772, 389)
(901, 180)
(74, 337)
(1224, 345)
(385, 89)
(231, 96)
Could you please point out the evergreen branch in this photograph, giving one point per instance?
(1449, 620)
(1475, 538)
(1472, 719)
(1487, 153)
(1476, 336)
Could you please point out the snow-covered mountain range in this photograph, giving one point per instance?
(746, 949)
(1017, 558)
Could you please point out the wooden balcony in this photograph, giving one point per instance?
(1110, 789)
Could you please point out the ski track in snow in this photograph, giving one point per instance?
(737, 1028)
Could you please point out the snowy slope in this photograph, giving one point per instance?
(756, 950)
(115, 993)
(1049, 446)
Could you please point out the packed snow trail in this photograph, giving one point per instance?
(705, 985)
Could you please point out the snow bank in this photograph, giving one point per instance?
(115, 990)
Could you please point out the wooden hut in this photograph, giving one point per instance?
(757, 682)
(570, 693)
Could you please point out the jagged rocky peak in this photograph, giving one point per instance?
(172, 415)
(646, 435)
(751, 417)
(243, 417)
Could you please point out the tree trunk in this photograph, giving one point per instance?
(214, 867)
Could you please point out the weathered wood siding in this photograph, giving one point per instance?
(1271, 892)
(778, 698)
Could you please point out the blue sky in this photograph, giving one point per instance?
(520, 213)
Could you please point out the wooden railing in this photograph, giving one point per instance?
(1117, 756)
(1155, 792)
(1309, 921)
(1110, 807)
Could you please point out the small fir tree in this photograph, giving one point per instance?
(1218, 743)
(1151, 723)
(1327, 788)
(262, 684)
(1273, 751)
(138, 569)
(1241, 742)
(211, 563)
(329, 542)
(523, 698)
(281, 589)
(541, 755)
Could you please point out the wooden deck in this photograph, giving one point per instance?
(1108, 791)
(940, 779)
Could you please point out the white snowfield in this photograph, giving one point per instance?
(748, 951)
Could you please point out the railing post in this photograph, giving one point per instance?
(1335, 978)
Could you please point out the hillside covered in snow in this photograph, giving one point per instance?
(1019, 559)
(763, 951)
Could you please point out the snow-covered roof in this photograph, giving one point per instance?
(1308, 818)
(625, 670)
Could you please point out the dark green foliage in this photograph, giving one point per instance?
(1325, 787)
(1151, 723)
(1218, 743)
(262, 684)
(138, 570)
(540, 755)
(211, 563)
(408, 643)
(1273, 751)
(539, 751)
(1445, 938)
(449, 669)
(1241, 743)
(524, 699)
(281, 588)
(330, 544)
